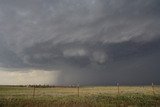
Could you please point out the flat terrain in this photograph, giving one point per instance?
(108, 96)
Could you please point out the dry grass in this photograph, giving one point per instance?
(89, 96)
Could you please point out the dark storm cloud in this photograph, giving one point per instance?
(90, 41)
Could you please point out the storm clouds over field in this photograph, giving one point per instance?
(94, 42)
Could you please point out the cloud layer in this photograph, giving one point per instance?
(89, 41)
(27, 77)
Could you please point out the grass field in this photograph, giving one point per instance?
(129, 96)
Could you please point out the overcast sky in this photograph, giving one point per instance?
(90, 42)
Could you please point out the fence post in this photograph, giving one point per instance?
(78, 89)
(153, 89)
(118, 87)
(33, 91)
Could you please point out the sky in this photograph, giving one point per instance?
(86, 42)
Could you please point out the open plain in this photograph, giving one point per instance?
(90, 96)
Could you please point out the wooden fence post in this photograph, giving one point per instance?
(78, 89)
(153, 89)
(33, 91)
(118, 87)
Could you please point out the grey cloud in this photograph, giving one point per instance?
(66, 22)
(74, 52)
(99, 57)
